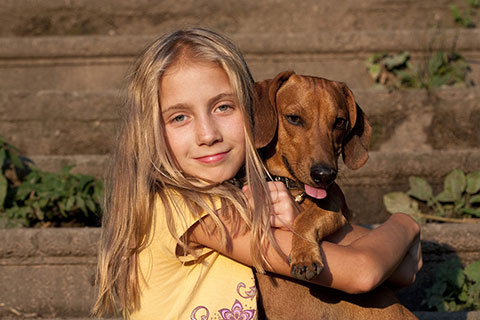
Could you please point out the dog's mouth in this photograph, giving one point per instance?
(314, 192)
(317, 193)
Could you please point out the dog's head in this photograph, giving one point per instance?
(305, 123)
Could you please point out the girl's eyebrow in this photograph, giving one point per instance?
(220, 96)
(213, 100)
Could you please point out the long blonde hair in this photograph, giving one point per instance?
(144, 167)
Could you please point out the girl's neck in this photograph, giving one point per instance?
(240, 178)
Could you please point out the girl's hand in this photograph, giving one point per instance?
(406, 272)
(285, 209)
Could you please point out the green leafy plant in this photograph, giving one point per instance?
(32, 197)
(464, 18)
(441, 69)
(454, 288)
(460, 198)
(385, 68)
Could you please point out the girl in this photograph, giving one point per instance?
(178, 235)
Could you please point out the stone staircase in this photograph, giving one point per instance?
(64, 65)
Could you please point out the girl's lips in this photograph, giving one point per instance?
(212, 158)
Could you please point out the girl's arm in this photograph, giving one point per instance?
(405, 274)
(358, 262)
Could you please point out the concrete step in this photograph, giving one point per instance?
(389, 171)
(60, 122)
(59, 17)
(385, 171)
(102, 62)
(83, 122)
(48, 273)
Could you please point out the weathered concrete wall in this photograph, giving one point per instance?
(50, 272)
(414, 134)
(64, 65)
(102, 62)
(57, 17)
(84, 122)
(364, 188)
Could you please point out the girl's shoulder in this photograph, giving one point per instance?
(180, 211)
(171, 197)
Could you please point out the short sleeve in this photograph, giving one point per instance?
(183, 219)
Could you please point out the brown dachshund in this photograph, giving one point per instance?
(302, 125)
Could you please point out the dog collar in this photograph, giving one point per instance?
(289, 183)
(292, 185)
(239, 183)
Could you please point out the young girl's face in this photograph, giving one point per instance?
(203, 122)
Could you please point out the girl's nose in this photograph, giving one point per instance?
(207, 132)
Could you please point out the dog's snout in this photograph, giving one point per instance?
(322, 175)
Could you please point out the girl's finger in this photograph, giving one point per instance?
(278, 191)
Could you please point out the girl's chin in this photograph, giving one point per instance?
(214, 179)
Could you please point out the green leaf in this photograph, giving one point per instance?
(455, 184)
(374, 70)
(459, 204)
(475, 199)
(439, 80)
(454, 11)
(17, 162)
(437, 289)
(400, 202)
(91, 205)
(448, 268)
(452, 306)
(395, 61)
(39, 214)
(3, 155)
(435, 63)
(70, 203)
(473, 182)
(3, 189)
(463, 296)
(408, 80)
(66, 170)
(43, 202)
(445, 196)
(473, 271)
(83, 181)
(98, 193)
(420, 189)
(81, 204)
(471, 211)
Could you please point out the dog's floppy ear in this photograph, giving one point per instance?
(264, 109)
(356, 143)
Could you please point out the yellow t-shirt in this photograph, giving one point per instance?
(211, 287)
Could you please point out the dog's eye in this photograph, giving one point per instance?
(294, 119)
(340, 123)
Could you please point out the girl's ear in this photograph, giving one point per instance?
(264, 110)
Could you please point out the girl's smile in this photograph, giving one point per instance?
(203, 123)
(213, 158)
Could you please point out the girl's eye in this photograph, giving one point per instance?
(179, 118)
(294, 119)
(223, 107)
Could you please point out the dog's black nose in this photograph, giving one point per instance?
(322, 175)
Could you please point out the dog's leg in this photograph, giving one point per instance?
(311, 226)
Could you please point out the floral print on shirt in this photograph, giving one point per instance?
(238, 311)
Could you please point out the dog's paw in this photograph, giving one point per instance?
(304, 266)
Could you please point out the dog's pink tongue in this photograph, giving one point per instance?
(316, 193)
